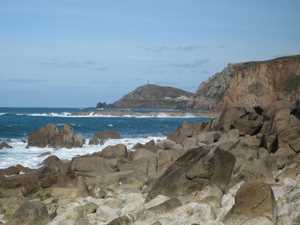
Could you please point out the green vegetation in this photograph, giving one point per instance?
(293, 83)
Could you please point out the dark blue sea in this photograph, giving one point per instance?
(17, 123)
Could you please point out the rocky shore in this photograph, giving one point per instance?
(242, 168)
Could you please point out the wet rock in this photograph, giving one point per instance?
(4, 145)
(52, 136)
(44, 154)
(102, 136)
(13, 170)
(30, 213)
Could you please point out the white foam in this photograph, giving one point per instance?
(93, 114)
(30, 157)
(2, 114)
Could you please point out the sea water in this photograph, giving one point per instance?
(17, 123)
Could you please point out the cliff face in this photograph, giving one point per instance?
(250, 84)
(154, 96)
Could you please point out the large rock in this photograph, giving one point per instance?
(253, 199)
(102, 136)
(52, 136)
(143, 163)
(251, 160)
(55, 171)
(13, 170)
(147, 164)
(283, 130)
(247, 121)
(114, 151)
(27, 183)
(193, 171)
(4, 145)
(91, 165)
(186, 130)
(150, 146)
(30, 213)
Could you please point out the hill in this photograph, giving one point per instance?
(155, 96)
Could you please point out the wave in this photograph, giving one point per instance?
(2, 114)
(98, 115)
(33, 156)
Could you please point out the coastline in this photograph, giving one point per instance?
(145, 114)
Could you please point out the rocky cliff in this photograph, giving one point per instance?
(154, 96)
(250, 84)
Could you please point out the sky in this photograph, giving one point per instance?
(75, 53)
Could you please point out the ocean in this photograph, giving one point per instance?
(17, 123)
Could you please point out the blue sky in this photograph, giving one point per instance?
(79, 52)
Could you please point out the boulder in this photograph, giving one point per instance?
(91, 165)
(168, 145)
(143, 163)
(247, 121)
(251, 160)
(54, 171)
(253, 199)
(114, 151)
(30, 213)
(150, 146)
(194, 170)
(52, 136)
(208, 137)
(4, 145)
(283, 128)
(102, 136)
(13, 170)
(28, 183)
(186, 130)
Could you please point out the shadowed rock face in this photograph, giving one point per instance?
(154, 96)
(250, 84)
(52, 136)
(194, 170)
